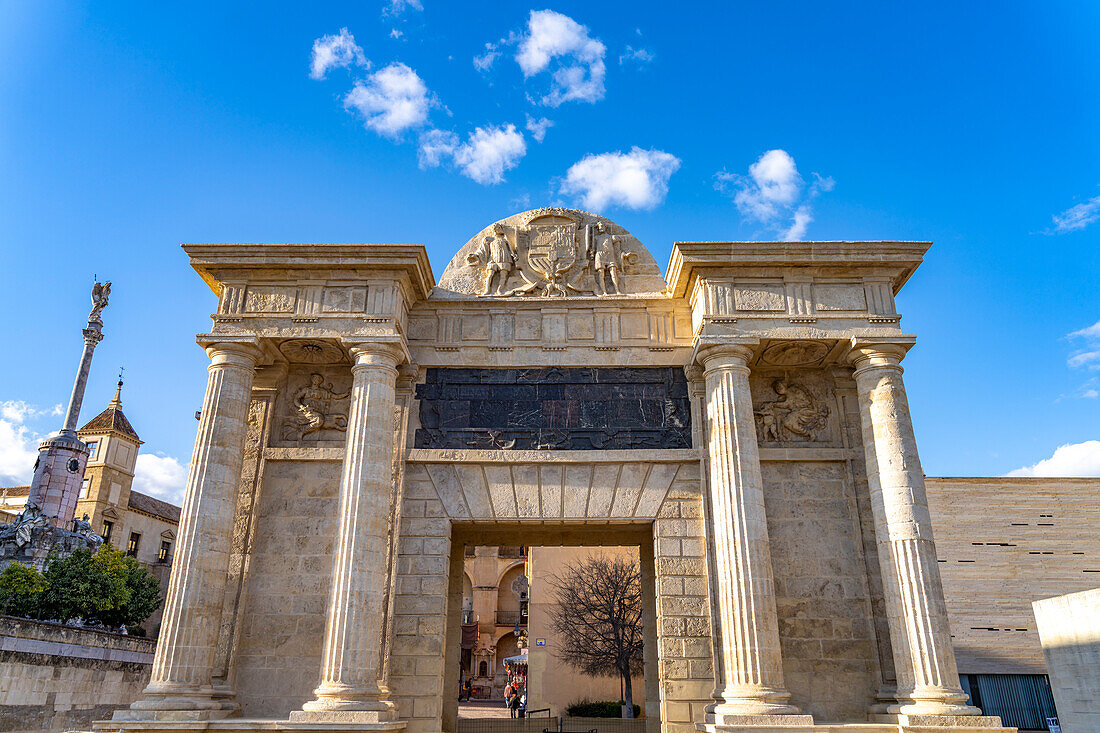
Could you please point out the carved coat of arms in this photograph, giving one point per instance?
(552, 252)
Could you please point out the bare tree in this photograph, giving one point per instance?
(598, 618)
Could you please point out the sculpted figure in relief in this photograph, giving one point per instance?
(315, 412)
(607, 260)
(497, 257)
(796, 413)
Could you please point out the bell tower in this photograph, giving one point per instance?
(112, 453)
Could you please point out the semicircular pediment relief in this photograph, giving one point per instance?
(551, 252)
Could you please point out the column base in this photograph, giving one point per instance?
(944, 723)
(368, 719)
(178, 702)
(719, 723)
(242, 725)
(876, 724)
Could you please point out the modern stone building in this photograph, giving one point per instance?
(742, 420)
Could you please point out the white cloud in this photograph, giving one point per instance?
(395, 34)
(1089, 356)
(520, 203)
(18, 442)
(774, 193)
(1089, 332)
(485, 61)
(436, 146)
(1070, 460)
(391, 100)
(398, 7)
(1076, 217)
(330, 52)
(485, 156)
(1090, 359)
(640, 56)
(579, 75)
(538, 127)
(161, 476)
(636, 180)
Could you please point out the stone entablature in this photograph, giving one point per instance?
(800, 289)
(789, 573)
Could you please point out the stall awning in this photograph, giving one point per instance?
(519, 659)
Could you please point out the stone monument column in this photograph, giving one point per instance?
(180, 685)
(351, 667)
(748, 662)
(59, 471)
(928, 680)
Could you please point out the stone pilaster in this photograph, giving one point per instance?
(180, 687)
(748, 661)
(928, 680)
(351, 663)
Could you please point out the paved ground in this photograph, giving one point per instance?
(482, 709)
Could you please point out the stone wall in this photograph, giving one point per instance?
(1003, 543)
(826, 623)
(56, 677)
(278, 658)
(1069, 627)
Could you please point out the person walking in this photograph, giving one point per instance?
(509, 696)
(513, 706)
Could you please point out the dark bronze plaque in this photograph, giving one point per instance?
(554, 409)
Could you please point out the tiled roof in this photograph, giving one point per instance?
(110, 419)
(145, 503)
(15, 491)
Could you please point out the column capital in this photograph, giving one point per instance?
(93, 334)
(407, 375)
(728, 353)
(879, 353)
(375, 351)
(228, 350)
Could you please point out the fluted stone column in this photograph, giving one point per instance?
(351, 661)
(928, 680)
(180, 685)
(749, 665)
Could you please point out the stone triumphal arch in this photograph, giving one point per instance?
(742, 418)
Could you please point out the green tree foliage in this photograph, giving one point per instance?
(108, 587)
(84, 584)
(144, 596)
(20, 587)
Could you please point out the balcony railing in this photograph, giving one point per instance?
(511, 618)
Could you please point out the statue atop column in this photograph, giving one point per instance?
(47, 522)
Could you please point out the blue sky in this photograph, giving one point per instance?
(128, 128)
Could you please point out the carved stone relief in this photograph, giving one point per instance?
(792, 409)
(309, 351)
(260, 299)
(551, 252)
(839, 297)
(315, 408)
(795, 353)
(760, 297)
